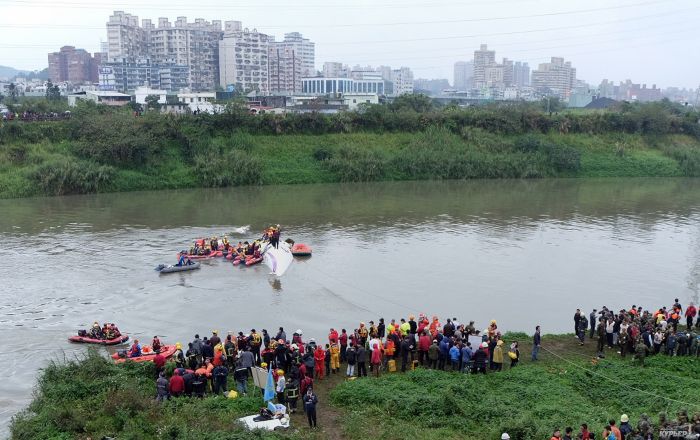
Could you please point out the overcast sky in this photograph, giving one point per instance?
(648, 41)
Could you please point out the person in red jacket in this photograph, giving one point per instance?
(320, 359)
(159, 362)
(376, 358)
(690, 313)
(177, 384)
(333, 337)
(423, 346)
(343, 344)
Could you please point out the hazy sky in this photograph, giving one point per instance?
(648, 41)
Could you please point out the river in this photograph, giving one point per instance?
(521, 252)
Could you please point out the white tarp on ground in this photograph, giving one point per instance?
(278, 260)
(269, 425)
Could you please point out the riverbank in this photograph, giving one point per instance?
(108, 150)
(51, 169)
(92, 397)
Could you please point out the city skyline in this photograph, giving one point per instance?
(643, 40)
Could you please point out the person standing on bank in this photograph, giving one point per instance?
(310, 401)
(536, 343)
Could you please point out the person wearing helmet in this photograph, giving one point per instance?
(178, 356)
(281, 385)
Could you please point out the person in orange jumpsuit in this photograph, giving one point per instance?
(320, 360)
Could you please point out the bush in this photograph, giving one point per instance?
(69, 176)
(352, 164)
(562, 157)
(688, 158)
(119, 138)
(233, 168)
(527, 144)
(322, 153)
(17, 154)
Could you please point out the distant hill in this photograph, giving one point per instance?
(10, 72)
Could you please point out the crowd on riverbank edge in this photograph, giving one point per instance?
(205, 366)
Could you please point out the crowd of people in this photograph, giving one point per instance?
(205, 366)
(681, 428)
(32, 116)
(243, 249)
(371, 349)
(641, 332)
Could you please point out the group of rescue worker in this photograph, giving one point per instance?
(107, 332)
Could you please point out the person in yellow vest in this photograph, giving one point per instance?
(404, 328)
(362, 331)
(335, 358)
(498, 356)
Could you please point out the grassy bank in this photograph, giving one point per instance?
(94, 398)
(528, 401)
(106, 150)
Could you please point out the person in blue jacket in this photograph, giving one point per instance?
(466, 356)
(455, 357)
(444, 353)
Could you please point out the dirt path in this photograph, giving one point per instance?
(328, 416)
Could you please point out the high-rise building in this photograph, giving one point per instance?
(285, 70)
(73, 65)
(403, 81)
(555, 78)
(521, 74)
(303, 49)
(335, 70)
(243, 59)
(483, 58)
(463, 75)
(290, 60)
(194, 45)
(126, 40)
(508, 72)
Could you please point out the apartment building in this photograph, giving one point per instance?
(463, 75)
(403, 81)
(521, 74)
(483, 58)
(303, 49)
(73, 65)
(194, 45)
(556, 78)
(244, 59)
(335, 70)
(285, 70)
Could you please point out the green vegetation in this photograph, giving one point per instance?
(101, 149)
(528, 402)
(92, 397)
